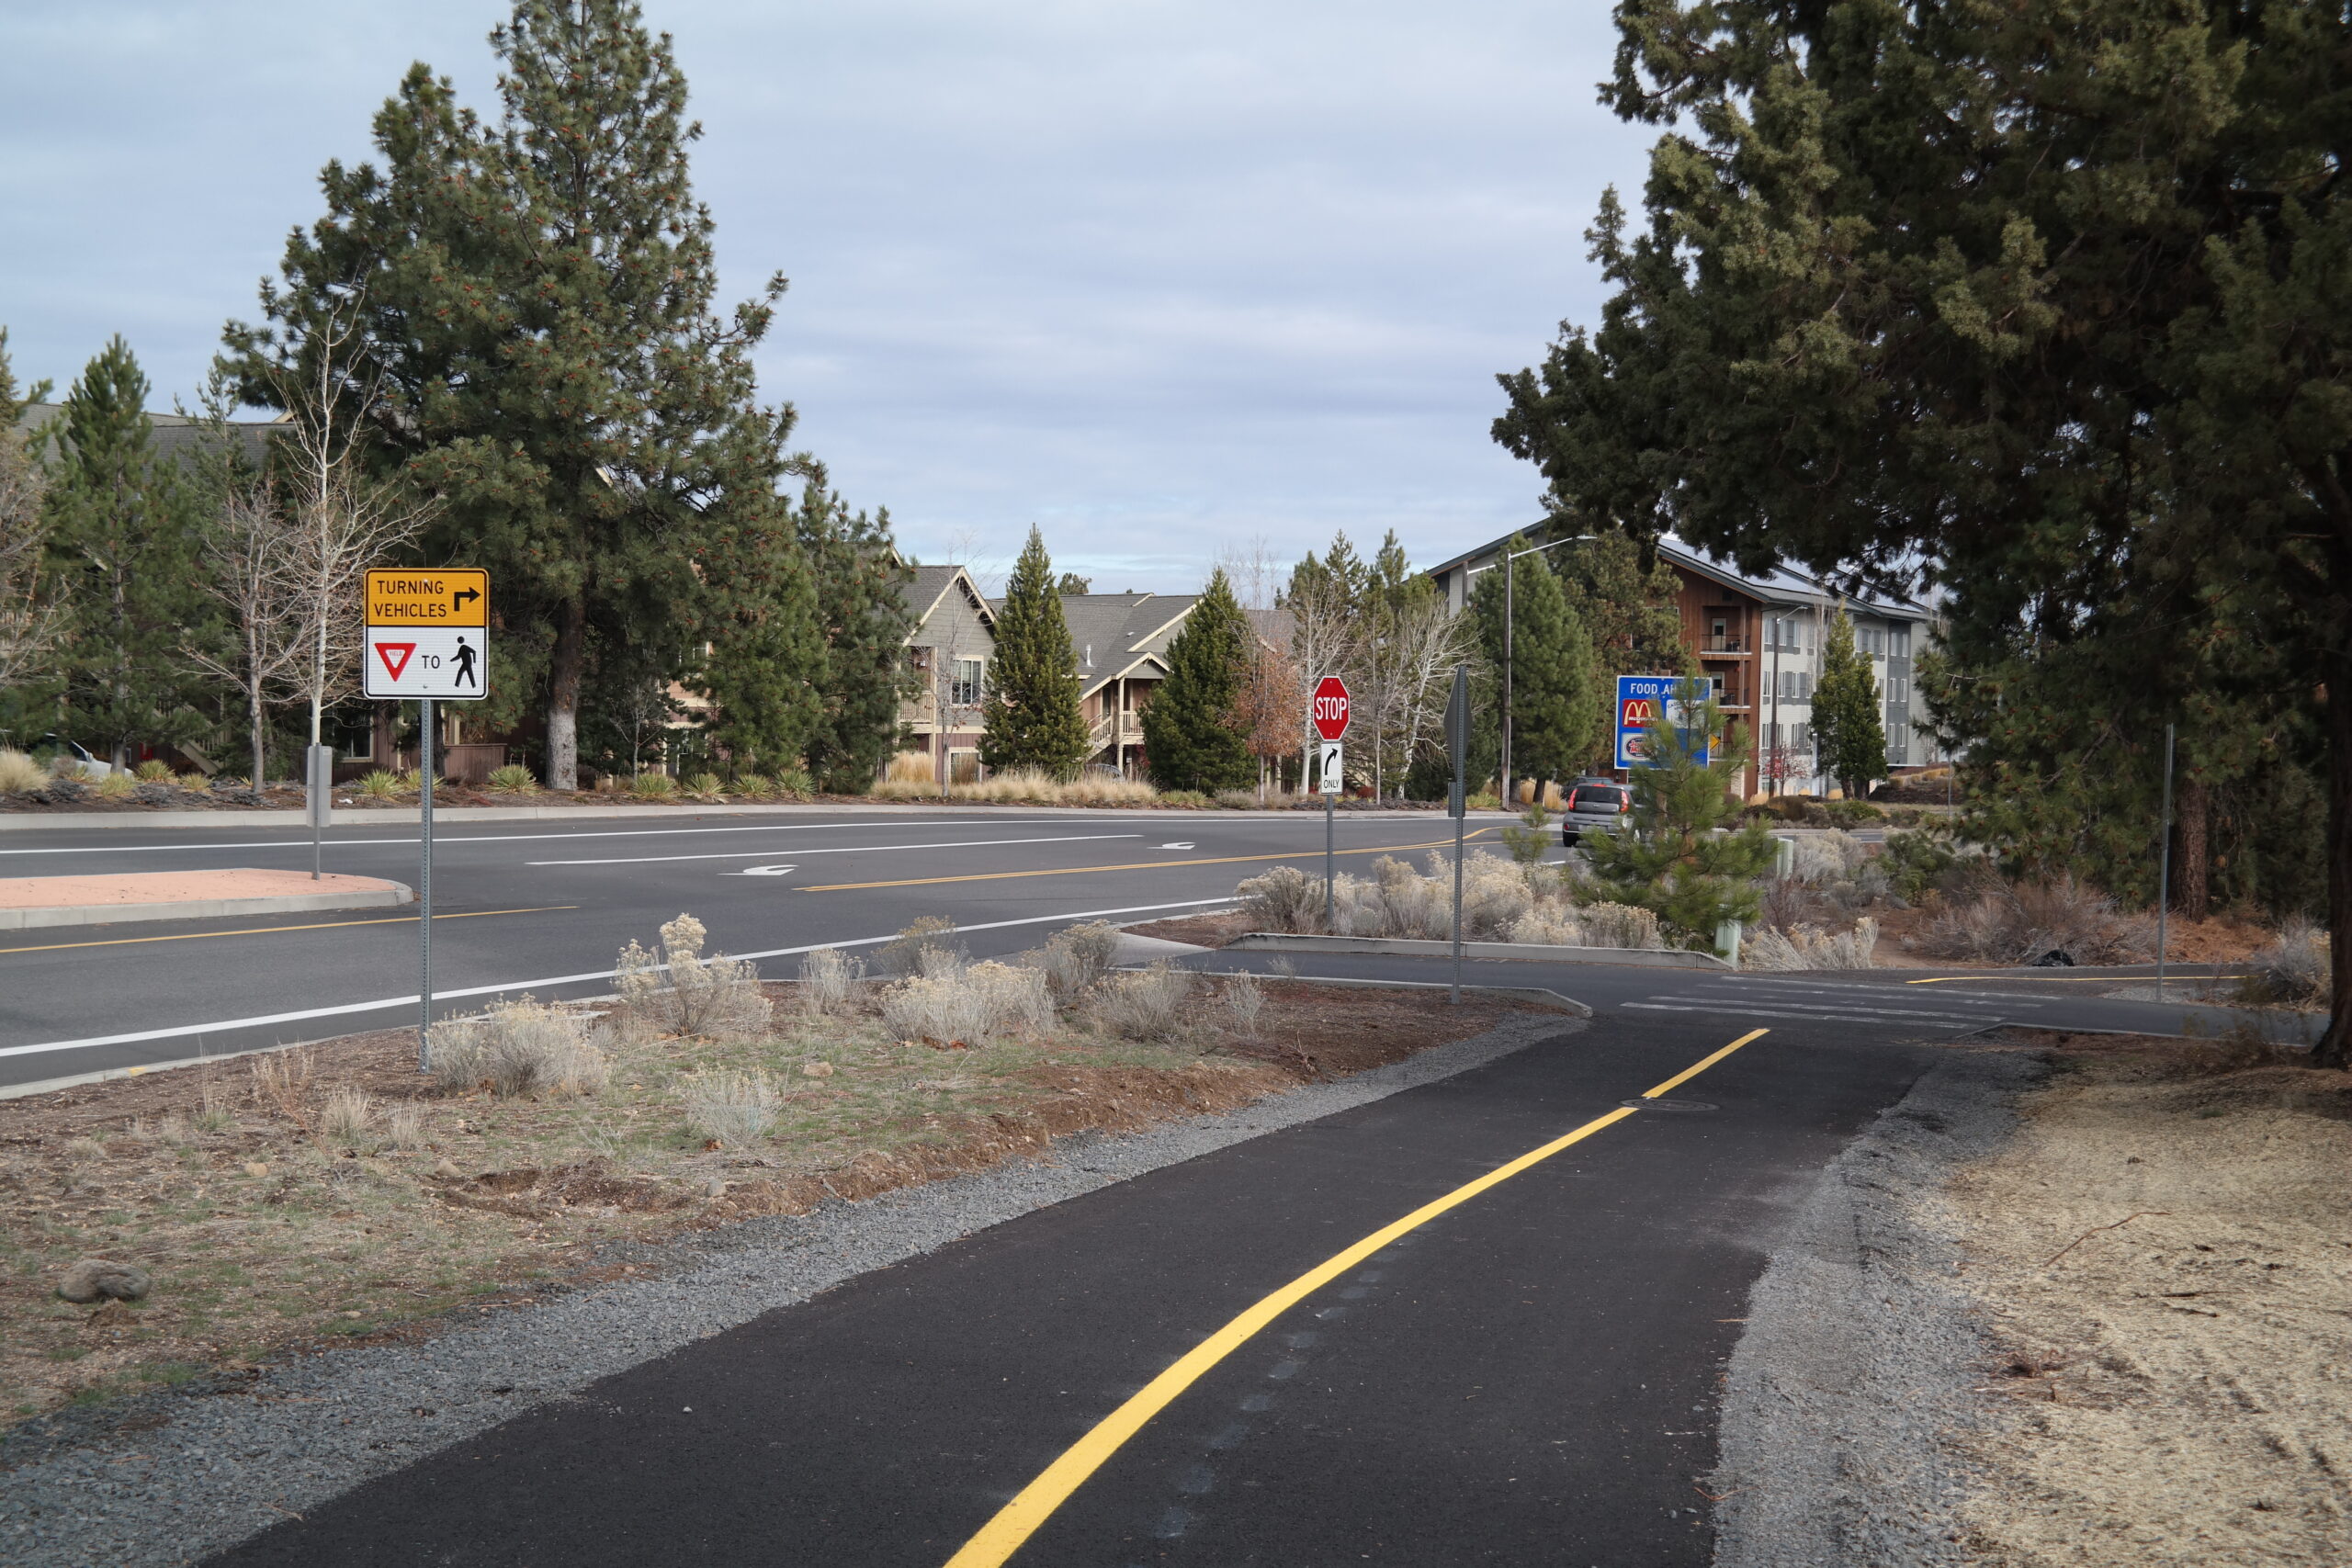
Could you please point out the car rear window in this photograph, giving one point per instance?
(1593, 795)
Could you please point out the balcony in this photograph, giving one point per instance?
(1116, 729)
(1725, 648)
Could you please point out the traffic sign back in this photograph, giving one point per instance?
(1330, 709)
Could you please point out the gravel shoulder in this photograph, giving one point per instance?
(1863, 1343)
(176, 1477)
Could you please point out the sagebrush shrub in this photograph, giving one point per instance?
(1809, 947)
(1144, 1005)
(516, 1049)
(681, 992)
(1283, 900)
(735, 1108)
(1244, 1000)
(1077, 957)
(830, 979)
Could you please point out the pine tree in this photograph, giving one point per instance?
(1558, 711)
(1849, 737)
(1675, 861)
(122, 542)
(1189, 734)
(537, 303)
(31, 619)
(862, 607)
(765, 656)
(1629, 612)
(1031, 716)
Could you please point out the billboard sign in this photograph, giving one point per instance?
(1642, 701)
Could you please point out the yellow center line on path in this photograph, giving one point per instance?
(2075, 980)
(1018, 1520)
(271, 930)
(1138, 866)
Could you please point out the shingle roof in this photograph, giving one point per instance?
(930, 582)
(1783, 584)
(175, 437)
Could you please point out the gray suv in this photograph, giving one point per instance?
(1595, 805)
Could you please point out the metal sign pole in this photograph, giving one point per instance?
(2164, 861)
(1509, 784)
(425, 889)
(1457, 740)
(319, 799)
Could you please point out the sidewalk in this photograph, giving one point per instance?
(27, 902)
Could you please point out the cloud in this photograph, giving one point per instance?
(1162, 278)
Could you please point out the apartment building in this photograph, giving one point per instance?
(1758, 641)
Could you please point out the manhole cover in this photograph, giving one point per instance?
(1667, 1105)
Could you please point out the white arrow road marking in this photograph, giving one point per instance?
(759, 870)
(1175, 846)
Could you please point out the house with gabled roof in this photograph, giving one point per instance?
(951, 639)
(1758, 639)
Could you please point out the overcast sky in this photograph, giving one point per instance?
(1167, 279)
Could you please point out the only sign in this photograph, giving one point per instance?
(1330, 709)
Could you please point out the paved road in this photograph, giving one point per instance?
(544, 908)
(1528, 1377)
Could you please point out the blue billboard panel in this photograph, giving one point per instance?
(1643, 700)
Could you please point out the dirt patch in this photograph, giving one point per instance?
(2218, 940)
(265, 1232)
(1201, 931)
(2162, 1253)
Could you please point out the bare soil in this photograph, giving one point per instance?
(266, 1232)
(2220, 939)
(1201, 931)
(2163, 1253)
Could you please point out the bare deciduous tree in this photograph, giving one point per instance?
(252, 555)
(31, 620)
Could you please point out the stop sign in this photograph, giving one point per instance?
(1330, 707)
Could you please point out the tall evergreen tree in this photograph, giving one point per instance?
(1031, 716)
(32, 618)
(1190, 735)
(1558, 711)
(121, 540)
(862, 608)
(1848, 736)
(1629, 610)
(764, 659)
(537, 303)
(2033, 306)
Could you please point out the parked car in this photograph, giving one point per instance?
(1595, 805)
(91, 767)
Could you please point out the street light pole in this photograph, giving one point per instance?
(1510, 622)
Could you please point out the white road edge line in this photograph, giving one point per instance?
(410, 1000)
(1849, 1008)
(844, 850)
(1816, 1017)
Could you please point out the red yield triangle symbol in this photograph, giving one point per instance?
(395, 655)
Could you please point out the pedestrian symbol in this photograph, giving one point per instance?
(466, 666)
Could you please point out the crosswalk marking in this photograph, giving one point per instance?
(1741, 1011)
(1863, 1009)
(1957, 998)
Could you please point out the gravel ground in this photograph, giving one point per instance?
(1862, 1348)
(174, 1478)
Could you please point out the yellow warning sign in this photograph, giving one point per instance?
(457, 596)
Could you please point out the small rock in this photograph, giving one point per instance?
(716, 1189)
(817, 1069)
(256, 1167)
(447, 1171)
(94, 1278)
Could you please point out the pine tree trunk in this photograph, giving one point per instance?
(2335, 1045)
(564, 668)
(2192, 885)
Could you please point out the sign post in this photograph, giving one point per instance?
(318, 799)
(1330, 712)
(1457, 746)
(427, 640)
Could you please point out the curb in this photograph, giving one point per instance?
(408, 816)
(203, 908)
(1415, 947)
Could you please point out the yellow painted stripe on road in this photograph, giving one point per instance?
(1018, 1520)
(270, 931)
(2061, 980)
(1138, 866)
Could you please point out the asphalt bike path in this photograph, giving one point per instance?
(1528, 1376)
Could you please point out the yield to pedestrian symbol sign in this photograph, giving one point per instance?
(428, 634)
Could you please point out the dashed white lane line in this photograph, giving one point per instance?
(384, 1004)
(1736, 1011)
(844, 849)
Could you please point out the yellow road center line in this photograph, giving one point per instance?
(1018, 1520)
(1138, 866)
(268, 930)
(2061, 979)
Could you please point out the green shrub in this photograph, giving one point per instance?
(380, 784)
(116, 785)
(752, 786)
(1852, 812)
(152, 770)
(1916, 862)
(653, 786)
(1528, 841)
(1188, 797)
(794, 780)
(705, 786)
(513, 779)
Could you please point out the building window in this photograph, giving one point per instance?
(964, 691)
(1898, 641)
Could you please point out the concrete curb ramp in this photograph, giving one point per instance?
(1640, 957)
(204, 909)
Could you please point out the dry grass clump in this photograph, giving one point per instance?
(1809, 947)
(1589, 925)
(910, 768)
(118, 785)
(2024, 922)
(954, 1003)
(2294, 970)
(1283, 900)
(518, 1049)
(683, 993)
(830, 980)
(1024, 787)
(348, 1116)
(731, 1108)
(1145, 1004)
(1244, 998)
(1077, 957)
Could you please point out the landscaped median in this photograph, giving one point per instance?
(27, 902)
(335, 1194)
